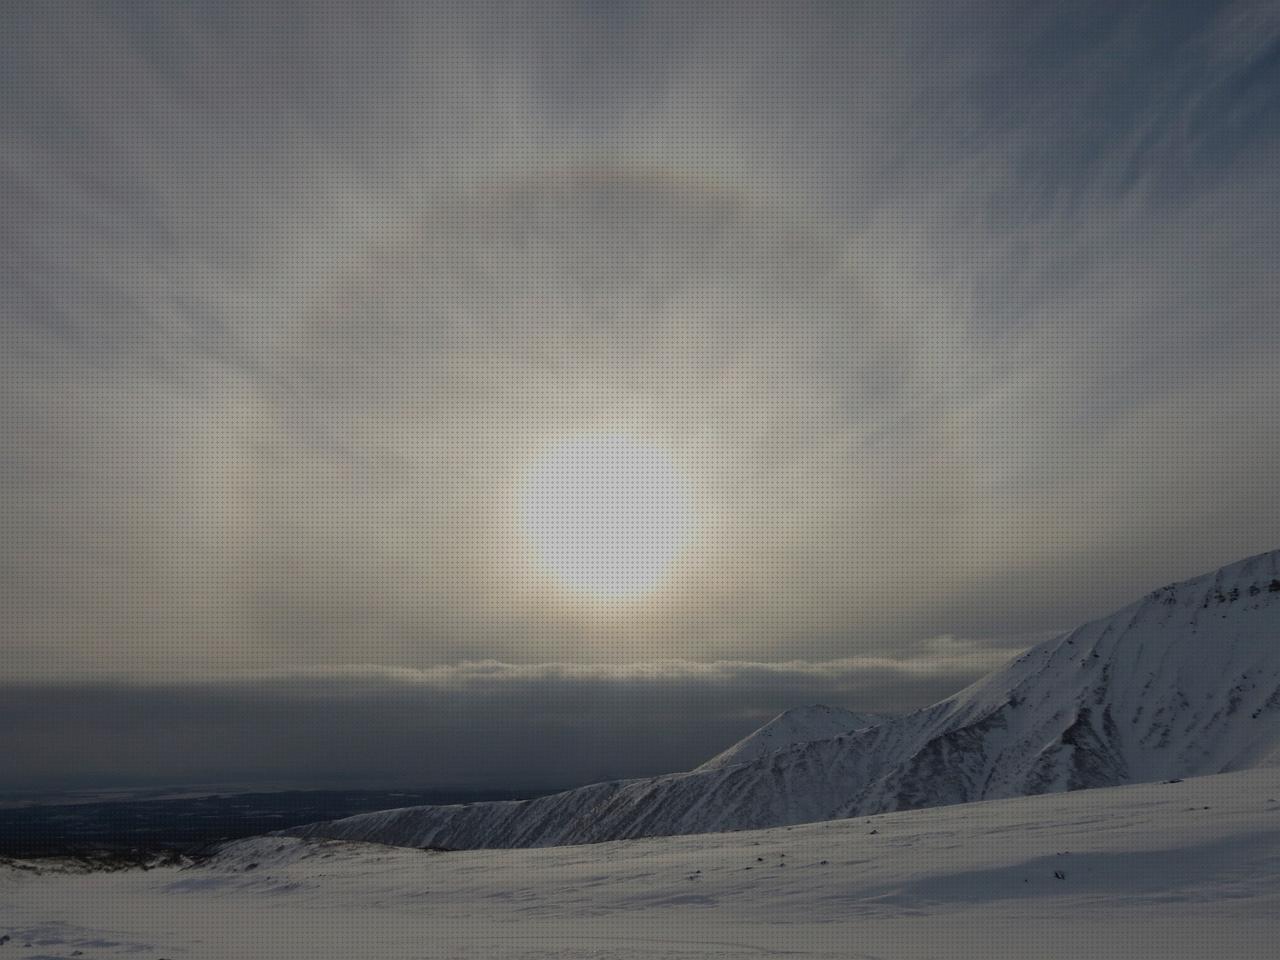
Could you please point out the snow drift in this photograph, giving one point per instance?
(1184, 682)
(1143, 872)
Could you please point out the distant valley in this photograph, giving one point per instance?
(148, 822)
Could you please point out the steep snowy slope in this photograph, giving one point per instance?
(1184, 682)
(798, 725)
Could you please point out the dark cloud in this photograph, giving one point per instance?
(471, 724)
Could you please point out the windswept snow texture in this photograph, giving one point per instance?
(799, 725)
(1145, 872)
(1184, 682)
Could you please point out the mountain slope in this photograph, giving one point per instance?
(1184, 682)
(798, 725)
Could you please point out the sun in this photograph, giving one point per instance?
(606, 514)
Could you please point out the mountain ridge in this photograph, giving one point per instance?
(1182, 682)
(796, 725)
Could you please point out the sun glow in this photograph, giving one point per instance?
(606, 514)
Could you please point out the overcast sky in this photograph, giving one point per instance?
(959, 320)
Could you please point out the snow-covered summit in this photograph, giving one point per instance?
(797, 725)
(1183, 682)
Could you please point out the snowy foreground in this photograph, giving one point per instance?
(1188, 869)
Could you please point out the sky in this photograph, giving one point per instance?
(958, 322)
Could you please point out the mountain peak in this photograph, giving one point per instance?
(796, 725)
(1256, 576)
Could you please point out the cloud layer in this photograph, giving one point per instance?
(472, 724)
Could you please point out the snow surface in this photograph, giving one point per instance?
(1184, 682)
(1179, 870)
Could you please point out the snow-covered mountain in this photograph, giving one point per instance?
(798, 725)
(1184, 682)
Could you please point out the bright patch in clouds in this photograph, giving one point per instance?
(606, 514)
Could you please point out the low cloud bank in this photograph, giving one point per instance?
(476, 723)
